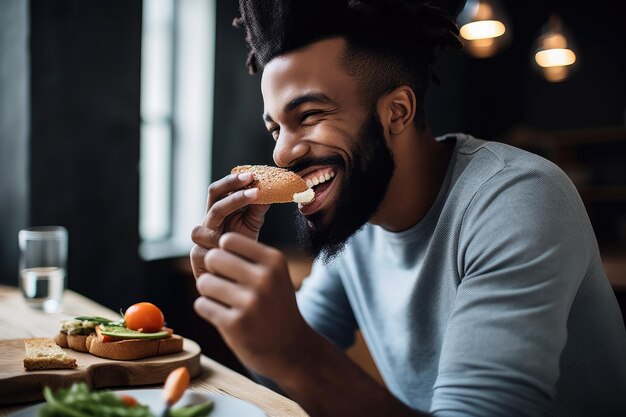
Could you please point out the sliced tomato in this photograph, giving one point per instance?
(104, 338)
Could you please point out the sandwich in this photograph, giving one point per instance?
(277, 185)
(141, 333)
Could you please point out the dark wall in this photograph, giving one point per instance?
(488, 97)
(84, 153)
(14, 120)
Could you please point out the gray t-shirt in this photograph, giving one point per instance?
(494, 304)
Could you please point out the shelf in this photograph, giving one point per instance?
(550, 139)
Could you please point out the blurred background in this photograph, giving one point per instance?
(116, 115)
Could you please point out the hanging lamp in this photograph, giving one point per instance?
(484, 27)
(554, 55)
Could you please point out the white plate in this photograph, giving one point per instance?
(225, 406)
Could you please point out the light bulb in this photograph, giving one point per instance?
(484, 27)
(554, 55)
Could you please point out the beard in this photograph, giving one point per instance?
(360, 196)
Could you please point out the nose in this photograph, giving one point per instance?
(289, 148)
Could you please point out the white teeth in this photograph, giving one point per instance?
(312, 182)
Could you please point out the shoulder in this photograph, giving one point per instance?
(496, 156)
(497, 175)
(521, 180)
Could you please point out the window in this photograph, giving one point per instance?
(178, 44)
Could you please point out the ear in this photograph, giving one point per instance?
(396, 109)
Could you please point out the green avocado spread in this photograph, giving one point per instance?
(125, 333)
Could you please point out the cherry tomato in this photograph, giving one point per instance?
(145, 317)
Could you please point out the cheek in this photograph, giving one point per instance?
(332, 136)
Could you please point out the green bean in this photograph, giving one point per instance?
(197, 410)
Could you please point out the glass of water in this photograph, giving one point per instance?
(43, 263)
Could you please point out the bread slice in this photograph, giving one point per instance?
(131, 349)
(277, 185)
(76, 342)
(61, 340)
(44, 353)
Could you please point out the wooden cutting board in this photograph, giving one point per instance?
(17, 385)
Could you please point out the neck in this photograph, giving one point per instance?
(421, 166)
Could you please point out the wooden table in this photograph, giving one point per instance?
(17, 320)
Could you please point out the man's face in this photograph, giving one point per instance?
(325, 132)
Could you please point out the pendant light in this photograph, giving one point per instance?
(484, 27)
(554, 55)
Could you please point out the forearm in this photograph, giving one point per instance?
(325, 382)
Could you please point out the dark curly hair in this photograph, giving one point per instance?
(389, 42)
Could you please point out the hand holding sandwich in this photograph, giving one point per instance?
(239, 201)
(229, 209)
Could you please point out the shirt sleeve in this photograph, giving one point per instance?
(522, 254)
(324, 305)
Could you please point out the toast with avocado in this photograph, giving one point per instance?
(116, 340)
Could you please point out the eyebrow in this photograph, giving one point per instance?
(298, 101)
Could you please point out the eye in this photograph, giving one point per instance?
(309, 114)
(274, 132)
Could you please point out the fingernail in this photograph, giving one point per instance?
(244, 176)
(251, 192)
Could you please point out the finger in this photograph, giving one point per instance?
(229, 265)
(222, 187)
(219, 289)
(212, 311)
(221, 209)
(255, 215)
(205, 237)
(247, 248)
(196, 257)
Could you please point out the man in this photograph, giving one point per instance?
(470, 267)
